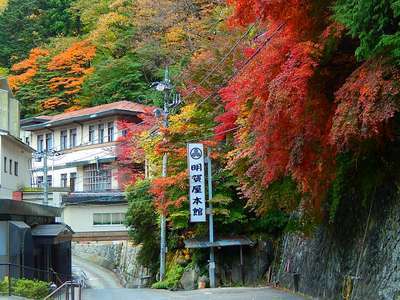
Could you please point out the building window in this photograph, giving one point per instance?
(16, 168)
(91, 134)
(63, 139)
(39, 181)
(72, 181)
(40, 143)
(49, 141)
(97, 177)
(10, 166)
(27, 140)
(108, 218)
(64, 179)
(101, 133)
(5, 164)
(110, 131)
(72, 138)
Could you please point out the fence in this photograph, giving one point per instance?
(14, 272)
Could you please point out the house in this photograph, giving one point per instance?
(32, 244)
(15, 156)
(81, 155)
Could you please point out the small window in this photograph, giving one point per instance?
(49, 180)
(49, 141)
(110, 131)
(39, 181)
(102, 219)
(15, 168)
(72, 181)
(108, 218)
(5, 164)
(97, 219)
(63, 139)
(39, 145)
(27, 140)
(10, 166)
(117, 218)
(91, 134)
(64, 179)
(101, 134)
(72, 138)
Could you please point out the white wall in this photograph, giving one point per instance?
(13, 150)
(80, 217)
(83, 152)
(82, 133)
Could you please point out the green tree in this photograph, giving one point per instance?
(374, 22)
(141, 219)
(27, 24)
(116, 80)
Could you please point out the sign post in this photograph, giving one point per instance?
(196, 179)
(196, 162)
(211, 269)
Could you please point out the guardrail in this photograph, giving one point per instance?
(66, 291)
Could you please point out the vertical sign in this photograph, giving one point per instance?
(196, 179)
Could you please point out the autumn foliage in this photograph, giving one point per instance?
(293, 108)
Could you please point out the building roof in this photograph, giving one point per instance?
(88, 198)
(116, 108)
(226, 242)
(51, 229)
(21, 208)
(12, 138)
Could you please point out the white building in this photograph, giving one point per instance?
(82, 146)
(15, 156)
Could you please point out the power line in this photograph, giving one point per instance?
(237, 72)
(225, 57)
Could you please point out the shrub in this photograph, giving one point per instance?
(172, 278)
(33, 289)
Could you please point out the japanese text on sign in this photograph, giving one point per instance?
(196, 179)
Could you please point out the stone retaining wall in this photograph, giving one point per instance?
(327, 263)
(118, 256)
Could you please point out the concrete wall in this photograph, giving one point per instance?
(13, 150)
(80, 217)
(117, 256)
(9, 113)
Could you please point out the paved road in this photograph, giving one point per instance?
(206, 294)
(105, 286)
(99, 277)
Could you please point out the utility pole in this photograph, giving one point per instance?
(45, 182)
(210, 221)
(163, 225)
(169, 103)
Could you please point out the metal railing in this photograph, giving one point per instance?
(68, 290)
(15, 272)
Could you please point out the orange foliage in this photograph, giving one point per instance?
(27, 68)
(53, 103)
(366, 104)
(75, 63)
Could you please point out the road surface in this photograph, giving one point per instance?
(98, 277)
(104, 285)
